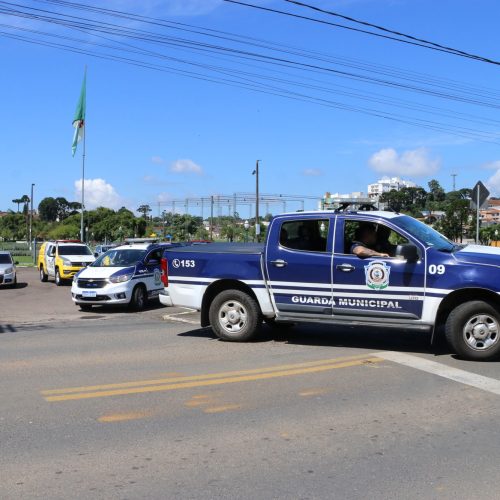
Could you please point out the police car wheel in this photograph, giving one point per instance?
(43, 275)
(473, 330)
(235, 316)
(139, 299)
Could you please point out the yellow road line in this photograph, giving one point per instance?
(220, 409)
(210, 382)
(122, 417)
(142, 383)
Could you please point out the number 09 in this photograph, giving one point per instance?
(440, 269)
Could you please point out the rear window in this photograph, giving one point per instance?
(74, 250)
(305, 234)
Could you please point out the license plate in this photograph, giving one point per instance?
(89, 293)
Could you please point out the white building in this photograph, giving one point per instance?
(387, 184)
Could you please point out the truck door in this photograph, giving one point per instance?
(298, 262)
(376, 287)
(50, 259)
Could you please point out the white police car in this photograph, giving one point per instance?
(128, 274)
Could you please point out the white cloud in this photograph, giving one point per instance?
(492, 165)
(312, 172)
(411, 163)
(493, 183)
(186, 167)
(158, 160)
(98, 193)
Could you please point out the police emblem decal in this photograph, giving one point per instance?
(377, 275)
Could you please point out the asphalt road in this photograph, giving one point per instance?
(111, 404)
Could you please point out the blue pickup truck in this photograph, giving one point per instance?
(306, 271)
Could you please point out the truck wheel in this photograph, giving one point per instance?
(58, 278)
(235, 316)
(139, 299)
(473, 330)
(43, 275)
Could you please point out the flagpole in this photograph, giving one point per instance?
(82, 236)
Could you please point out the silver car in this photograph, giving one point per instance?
(7, 270)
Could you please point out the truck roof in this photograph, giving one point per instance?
(382, 214)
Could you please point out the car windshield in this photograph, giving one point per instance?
(119, 258)
(430, 237)
(5, 258)
(74, 250)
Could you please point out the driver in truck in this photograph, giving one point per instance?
(365, 240)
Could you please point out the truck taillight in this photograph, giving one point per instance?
(164, 271)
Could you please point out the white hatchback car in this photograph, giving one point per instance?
(8, 275)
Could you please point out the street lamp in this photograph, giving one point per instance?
(31, 215)
(246, 225)
(257, 222)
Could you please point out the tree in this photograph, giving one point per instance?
(48, 209)
(18, 201)
(144, 210)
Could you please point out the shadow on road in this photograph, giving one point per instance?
(339, 336)
(114, 309)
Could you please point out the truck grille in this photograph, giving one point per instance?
(91, 283)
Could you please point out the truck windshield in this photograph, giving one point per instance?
(430, 237)
(74, 250)
(119, 258)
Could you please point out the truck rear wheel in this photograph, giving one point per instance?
(473, 331)
(235, 316)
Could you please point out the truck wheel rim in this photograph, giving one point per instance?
(232, 316)
(481, 332)
(140, 298)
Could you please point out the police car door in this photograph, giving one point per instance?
(376, 287)
(298, 265)
(153, 275)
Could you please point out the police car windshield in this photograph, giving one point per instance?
(430, 237)
(119, 258)
(5, 258)
(74, 250)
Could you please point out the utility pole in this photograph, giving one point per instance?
(31, 217)
(211, 218)
(454, 184)
(257, 223)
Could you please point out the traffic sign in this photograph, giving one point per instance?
(479, 195)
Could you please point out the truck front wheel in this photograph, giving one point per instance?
(235, 316)
(473, 331)
(58, 279)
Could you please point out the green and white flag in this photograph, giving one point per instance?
(79, 119)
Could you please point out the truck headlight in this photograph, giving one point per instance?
(66, 262)
(121, 278)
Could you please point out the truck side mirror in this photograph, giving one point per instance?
(96, 255)
(407, 252)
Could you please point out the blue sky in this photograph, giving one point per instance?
(153, 136)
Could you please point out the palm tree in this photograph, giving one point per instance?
(144, 210)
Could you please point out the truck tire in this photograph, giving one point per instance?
(43, 275)
(139, 299)
(235, 316)
(473, 331)
(57, 278)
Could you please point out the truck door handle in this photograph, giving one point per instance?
(346, 268)
(279, 263)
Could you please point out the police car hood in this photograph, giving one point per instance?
(79, 258)
(103, 272)
(479, 254)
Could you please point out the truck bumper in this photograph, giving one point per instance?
(111, 294)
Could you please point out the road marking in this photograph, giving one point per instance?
(122, 417)
(141, 383)
(312, 392)
(174, 317)
(220, 409)
(220, 379)
(456, 374)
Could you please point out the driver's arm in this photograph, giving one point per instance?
(363, 252)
